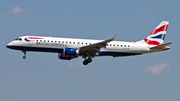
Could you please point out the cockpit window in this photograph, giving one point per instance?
(20, 39)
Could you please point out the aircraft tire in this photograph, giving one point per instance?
(24, 57)
(85, 62)
(89, 60)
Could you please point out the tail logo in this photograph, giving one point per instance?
(158, 35)
(162, 28)
(149, 42)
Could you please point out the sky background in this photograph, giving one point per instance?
(43, 77)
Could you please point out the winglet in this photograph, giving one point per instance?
(114, 36)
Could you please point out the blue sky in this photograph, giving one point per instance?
(43, 77)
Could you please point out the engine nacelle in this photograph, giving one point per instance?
(64, 57)
(70, 52)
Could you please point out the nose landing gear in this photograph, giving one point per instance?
(24, 57)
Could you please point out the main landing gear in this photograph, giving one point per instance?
(86, 61)
(24, 57)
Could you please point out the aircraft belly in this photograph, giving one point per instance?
(115, 54)
(38, 49)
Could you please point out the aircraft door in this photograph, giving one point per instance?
(30, 42)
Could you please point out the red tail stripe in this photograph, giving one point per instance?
(162, 28)
(149, 42)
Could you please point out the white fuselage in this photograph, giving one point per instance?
(57, 45)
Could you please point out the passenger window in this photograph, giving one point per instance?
(118, 45)
(51, 41)
(44, 40)
(48, 41)
(40, 40)
(55, 41)
(124, 45)
(121, 45)
(62, 41)
(82, 42)
(66, 42)
(37, 40)
(86, 43)
(59, 41)
(128, 45)
(74, 42)
(70, 42)
(78, 42)
(114, 45)
(110, 44)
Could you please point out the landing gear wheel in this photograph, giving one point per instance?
(89, 60)
(85, 62)
(24, 57)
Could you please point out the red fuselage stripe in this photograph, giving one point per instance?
(33, 38)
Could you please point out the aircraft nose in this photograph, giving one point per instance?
(9, 45)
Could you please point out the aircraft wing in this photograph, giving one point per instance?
(97, 46)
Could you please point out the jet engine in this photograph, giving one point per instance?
(70, 52)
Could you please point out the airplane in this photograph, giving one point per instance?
(70, 48)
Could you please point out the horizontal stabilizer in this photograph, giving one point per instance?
(162, 46)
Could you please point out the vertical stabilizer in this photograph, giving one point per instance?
(157, 36)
